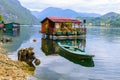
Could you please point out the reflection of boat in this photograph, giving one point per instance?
(12, 29)
(50, 47)
(13, 33)
(74, 50)
(87, 62)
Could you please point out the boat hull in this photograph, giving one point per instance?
(81, 60)
(80, 53)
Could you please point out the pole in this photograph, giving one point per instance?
(84, 21)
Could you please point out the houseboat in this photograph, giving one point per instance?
(62, 28)
(11, 27)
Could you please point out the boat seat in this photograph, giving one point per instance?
(72, 48)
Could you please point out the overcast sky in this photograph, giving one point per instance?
(89, 6)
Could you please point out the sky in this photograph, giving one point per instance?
(87, 6)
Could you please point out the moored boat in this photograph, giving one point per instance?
(74, 51)
(86, 62)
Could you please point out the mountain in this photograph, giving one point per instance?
(52, 11)
(12, 11)
(109, 19)
(112, 18)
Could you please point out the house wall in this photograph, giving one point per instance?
(57, 27)
(45, 26)
(48, 26)
(51, 27)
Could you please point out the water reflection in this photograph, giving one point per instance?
(18, 38)
(7, 36)
(50, 47)
(13, 33)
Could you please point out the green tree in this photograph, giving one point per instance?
(0, 17)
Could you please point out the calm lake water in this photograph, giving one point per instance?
(102, 42)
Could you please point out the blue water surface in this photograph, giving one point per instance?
(103, 42)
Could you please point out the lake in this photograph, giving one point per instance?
(103, 42)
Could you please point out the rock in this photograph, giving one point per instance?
(6, 39)
(13, 70)
(37, 61)
(27, 55)
(6, 78)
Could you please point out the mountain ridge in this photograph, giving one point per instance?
(53, 11)
(13, 11)
(108, 19)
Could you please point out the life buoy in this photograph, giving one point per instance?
(34, 40)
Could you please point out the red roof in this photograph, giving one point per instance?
(61, 19)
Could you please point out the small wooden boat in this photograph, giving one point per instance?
(86, 62)
(74, 51)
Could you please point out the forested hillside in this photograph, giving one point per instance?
(109, 19)
(12, 11)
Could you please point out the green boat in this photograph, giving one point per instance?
(86, 62)
(74, 51)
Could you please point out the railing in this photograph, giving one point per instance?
(75, 31)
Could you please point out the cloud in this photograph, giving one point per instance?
(97, 6)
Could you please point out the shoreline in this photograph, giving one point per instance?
(13, 70)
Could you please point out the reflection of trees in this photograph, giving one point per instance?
(109, 34)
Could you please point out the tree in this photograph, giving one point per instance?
(0, 17)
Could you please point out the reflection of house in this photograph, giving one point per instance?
(10, 27)
(49, 47)
(58, 26)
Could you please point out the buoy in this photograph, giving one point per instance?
(34, 40)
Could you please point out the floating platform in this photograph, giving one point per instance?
(54, 37)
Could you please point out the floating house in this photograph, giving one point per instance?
(59, 27)
(10, 27)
